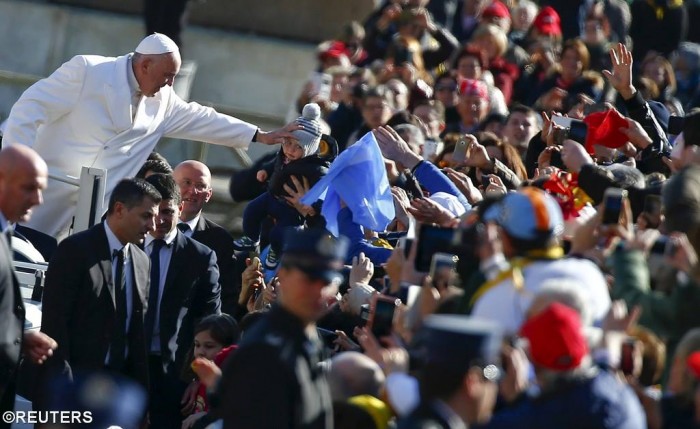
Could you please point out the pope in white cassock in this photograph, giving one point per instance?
(109, 113)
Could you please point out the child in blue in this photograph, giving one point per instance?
(298, 157)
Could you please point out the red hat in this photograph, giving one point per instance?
(604, 129)
(473, 87)
(547, 22)
(693, 363)
(333, 49)
(556, 338)
(496, 10)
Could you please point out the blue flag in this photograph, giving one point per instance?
(358, 177)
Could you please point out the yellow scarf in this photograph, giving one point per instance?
(672, 4)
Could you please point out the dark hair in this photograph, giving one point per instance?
(131, 193)
(222, 328)
(165, 184)
(154, 166)
(438, 381)
(251, 319)
(155, 156)
(469, 52)
(511, 158)
(521, 108)
(378, 91)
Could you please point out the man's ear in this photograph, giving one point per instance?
(210, 192)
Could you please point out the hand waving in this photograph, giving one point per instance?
(621, 75)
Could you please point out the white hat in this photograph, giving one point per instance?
(156, 44)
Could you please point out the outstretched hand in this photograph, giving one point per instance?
(621, 75)
(395, 148)
(278, 136)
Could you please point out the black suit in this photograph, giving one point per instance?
(220, 241)
(44, 243)
(11, 328)
(191, 291)
(426, 416)
(78, 308)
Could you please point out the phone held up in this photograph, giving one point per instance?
(381, 314)
(613, 205)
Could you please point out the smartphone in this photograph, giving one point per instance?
(408, 294)
(429, 149)
(460, 153)
(431, 240)
(485, 180)
(675, 124)
(321, 84)
(627, 356)
(613, 204)
(364, 314)
(442, 269)
(562, 121)
(405, 243)
(381, 314)
(327, 337)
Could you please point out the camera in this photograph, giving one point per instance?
(573, 129)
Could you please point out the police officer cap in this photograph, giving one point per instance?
(315, 252)
(461, 341)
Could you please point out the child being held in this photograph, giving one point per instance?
(298, 157)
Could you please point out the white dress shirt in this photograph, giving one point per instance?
(115, 244)
(166, 253)
(192, 223)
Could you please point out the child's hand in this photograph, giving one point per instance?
(261, 175)
(189, 398)
(207, 371)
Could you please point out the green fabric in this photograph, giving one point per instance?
(669, 316)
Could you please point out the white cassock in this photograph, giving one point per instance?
(81, 115)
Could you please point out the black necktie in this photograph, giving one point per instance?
(183, 227)
(153, 290)
(118, 346)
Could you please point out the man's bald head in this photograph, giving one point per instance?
(352, 374)
(23, 177)
(194, 180)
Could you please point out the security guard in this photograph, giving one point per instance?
(458, 376)
(273, 380)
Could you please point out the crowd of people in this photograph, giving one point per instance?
(482, 213)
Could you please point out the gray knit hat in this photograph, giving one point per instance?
(310, 136)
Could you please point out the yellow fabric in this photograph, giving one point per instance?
(380, 412)
(659, 10)
(515, 271)
(380, 242)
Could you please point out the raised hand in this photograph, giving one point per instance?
(395, 148)
(621, 75)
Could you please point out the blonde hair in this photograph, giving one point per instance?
(497, 35)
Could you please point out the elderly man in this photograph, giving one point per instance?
(109, 113)
(194, 180)
(22, 180)
(273, 380)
